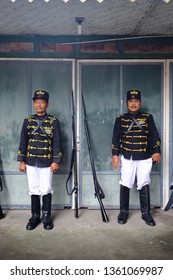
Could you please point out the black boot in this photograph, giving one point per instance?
(144, 195)
(124, 205)
(47, 221)
(1, 214)
(35, 210)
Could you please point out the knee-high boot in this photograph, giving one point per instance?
(124, 205)
(144, 195)
(46, 209)
(35, 210)
(1, 214)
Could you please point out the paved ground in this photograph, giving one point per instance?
(87, 238)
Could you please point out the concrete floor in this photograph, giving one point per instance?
(87, 238)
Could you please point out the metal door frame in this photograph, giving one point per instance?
(165, 114)
(73, 85)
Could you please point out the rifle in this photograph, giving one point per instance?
(73, 164)
(98, 190)
(170, 202)
(1, 188)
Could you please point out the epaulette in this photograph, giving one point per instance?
(52, 118)
(30, 118)
(121, 115)
(145, 114)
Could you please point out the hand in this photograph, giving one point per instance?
(115, 162)
(22, 166)
(54, 166)
(156, 157)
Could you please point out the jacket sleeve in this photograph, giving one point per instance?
(57, 146)
(154, 138)
(116, 138)
(23, 143)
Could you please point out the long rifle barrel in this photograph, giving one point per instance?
(1, 212)
(73, 164)
(98, 190)
(170, 202)
(1, 186)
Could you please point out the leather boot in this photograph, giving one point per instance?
(35, 210)
(1, 214)
(144, 195)
(46, 209)
(124, 205)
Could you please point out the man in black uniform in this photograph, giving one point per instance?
(136, 138)
(40, 155)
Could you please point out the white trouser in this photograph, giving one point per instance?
(39, 180)
(131, 169)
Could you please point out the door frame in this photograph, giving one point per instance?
(165, 113)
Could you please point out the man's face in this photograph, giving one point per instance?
(40, 106)
(133, 105)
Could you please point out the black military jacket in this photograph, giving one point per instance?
(43, 146)
(139, 141)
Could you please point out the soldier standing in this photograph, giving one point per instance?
(136, 139)
(40, 155)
